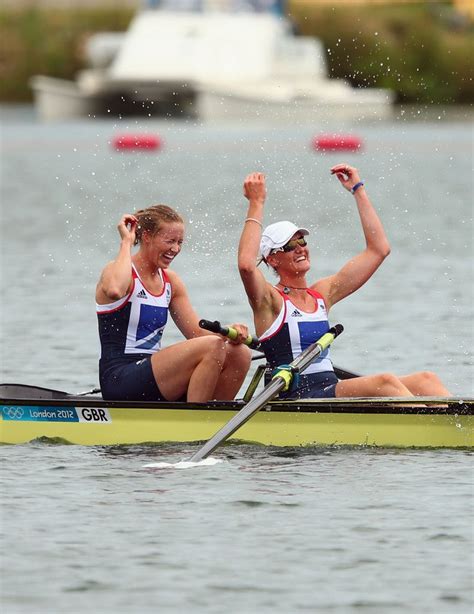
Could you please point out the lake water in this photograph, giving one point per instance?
(266, 530)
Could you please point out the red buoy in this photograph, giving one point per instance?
(337, 142)
(137, 141)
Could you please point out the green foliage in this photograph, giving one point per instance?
(424, 54)
(49, 42)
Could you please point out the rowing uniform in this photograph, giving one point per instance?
(130, 332)
(289, 335)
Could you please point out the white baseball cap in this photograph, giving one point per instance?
(277, 235)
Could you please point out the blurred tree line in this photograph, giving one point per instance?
(423, 51)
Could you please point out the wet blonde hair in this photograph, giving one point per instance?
(151, 219)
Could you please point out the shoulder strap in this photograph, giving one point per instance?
(315, 294)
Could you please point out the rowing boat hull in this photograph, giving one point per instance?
(349, 422)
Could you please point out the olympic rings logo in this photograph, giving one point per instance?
(14, 413)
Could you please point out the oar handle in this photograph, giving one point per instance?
(305, 358)
(229, 332)
(326, 340)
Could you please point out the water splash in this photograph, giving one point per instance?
(206, 462)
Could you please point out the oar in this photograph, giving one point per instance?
(280, 381)
(228, 331)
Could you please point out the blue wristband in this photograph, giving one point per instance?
(356, 187)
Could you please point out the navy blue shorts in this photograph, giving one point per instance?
(129, 379)
(314, 386)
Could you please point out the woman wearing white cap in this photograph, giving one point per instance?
(293, 313)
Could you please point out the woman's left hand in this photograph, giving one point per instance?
(242, 333)
(347, 175)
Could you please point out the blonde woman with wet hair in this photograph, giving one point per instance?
(134, 296)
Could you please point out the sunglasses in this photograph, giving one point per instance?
(291, 245)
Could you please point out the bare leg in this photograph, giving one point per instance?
(381, 385)
(191, 367)
(237, 363)
(425, 384)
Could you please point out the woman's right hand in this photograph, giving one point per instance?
(254, 187)
(127, 227)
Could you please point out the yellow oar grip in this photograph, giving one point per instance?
(250, 341)
(232, 333)
(325, 341)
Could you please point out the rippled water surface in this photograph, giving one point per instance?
(266, 530)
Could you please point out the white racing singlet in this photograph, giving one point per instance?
(134, 324)
(293, 331)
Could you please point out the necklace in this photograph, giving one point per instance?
(287, 289)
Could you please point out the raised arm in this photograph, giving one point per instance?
(116, 278)
(360, 268)
(253, 279)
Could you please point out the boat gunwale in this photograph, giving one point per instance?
(456, 407)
